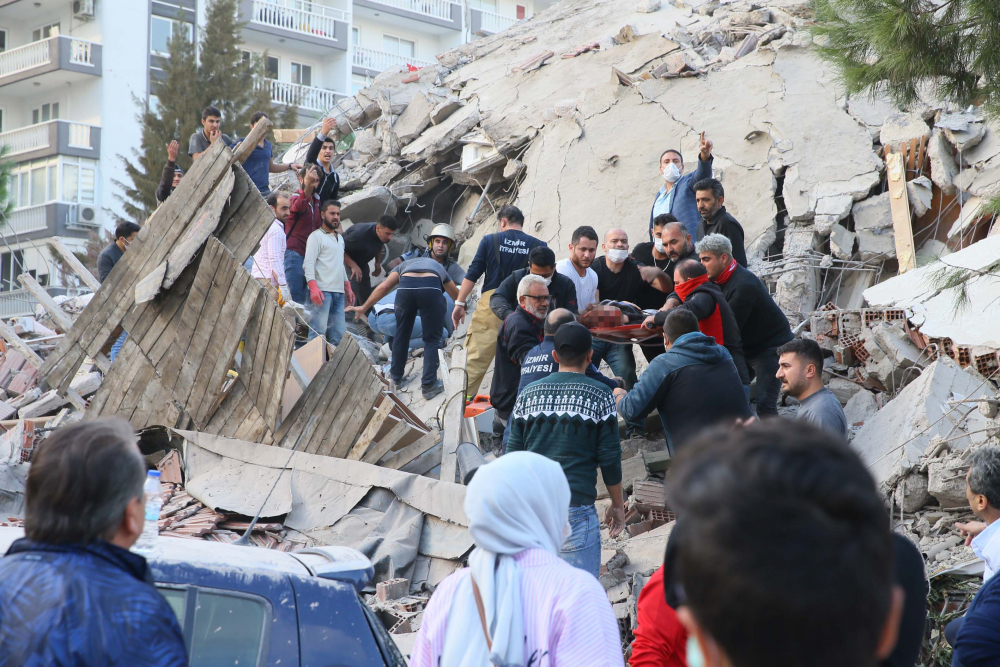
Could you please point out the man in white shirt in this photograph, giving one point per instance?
(269, 261)
(576, 267)
(982, 488)
(326, 277)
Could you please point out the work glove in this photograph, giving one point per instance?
(285, 294)
(315, 294)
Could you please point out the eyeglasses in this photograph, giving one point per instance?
(540, 298)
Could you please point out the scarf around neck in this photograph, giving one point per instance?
(726, 274)
(684, 289)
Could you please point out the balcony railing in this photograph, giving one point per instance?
(30, 219)
(380, 60)
(18, 302)
(42, 53)
(494, 23)
(307, 18)
(440, 9)
(39, 137)
(304, 97)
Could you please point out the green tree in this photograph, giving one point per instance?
(896, 47)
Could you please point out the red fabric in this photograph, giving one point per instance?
(725, 275)
(711, 325)
(660, 638)
(303, 219)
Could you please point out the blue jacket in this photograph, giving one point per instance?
(978, 641)
(683, 206)
(511, 248)
(539, 364)
(73, 605)
(693, 385)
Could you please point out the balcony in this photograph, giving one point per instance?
(19, 302)
(311, 26)
(484, 23)
(442, 14)
(304, 97)
(48, 63)
(56, 137)
(369, 62)
(50, 219)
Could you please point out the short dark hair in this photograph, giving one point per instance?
(388, 222)
(328, 203)
(710, 184)
(542, 256)
(679, 321)
(211, 112)
(555, 319)
(672, 150)
(663, 219)
(584, 232)
(512, 213)
(819, 598)
(257, 115)
(125, 230)
(80, 482)
(809, 351)
(691, 268)
(984, 474)
(272, 199)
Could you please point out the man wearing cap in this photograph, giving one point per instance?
(571, 419)
(172, 173)
(422, 282)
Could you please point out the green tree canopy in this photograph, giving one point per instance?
(898, 47)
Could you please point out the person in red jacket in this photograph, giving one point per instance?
(660, 638)
(303, 219)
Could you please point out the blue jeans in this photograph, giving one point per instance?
(117, 347)
(327, 318)
(296, 277)
(622, 362)
(583, 548)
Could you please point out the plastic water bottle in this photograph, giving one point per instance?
(151, 529)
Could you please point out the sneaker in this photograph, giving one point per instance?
(429, 391)
(384, 352)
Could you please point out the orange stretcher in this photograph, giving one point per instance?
(478, 405)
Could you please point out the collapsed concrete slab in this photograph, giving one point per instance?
(873, 226)
(901, 127)
(368, 204)
(895, 438)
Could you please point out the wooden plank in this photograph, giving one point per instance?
(386, 443)
(454, 412)
(257, 132)
(279, 353)
(426, 462)
(75, 265)
(62, 319)
(14, 341)
(147, 288)
(339, 439)
(899, 203)
(411, 451)
(146, 325)
(341, 396)
(360, 448)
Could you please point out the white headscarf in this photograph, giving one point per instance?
(520, 501)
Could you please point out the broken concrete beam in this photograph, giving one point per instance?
(900, 128)
(842, 242)
(384, 174)
(368, 204)
(946, 481)
(873, 226)
(893, 358)
(860, 407)
(367, 146)
(895, 438)
(414, 119)
(911, 492)
(963, 130)
(392, 589)
(943, 165)
(920, 193)
(444, 136)
(843, 389)
(442, 110)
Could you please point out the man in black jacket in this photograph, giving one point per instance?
(172, 173)
(542, 263)
(763, 326)
(520, 332)
(710, 197)
(704, 298)
(321, 152)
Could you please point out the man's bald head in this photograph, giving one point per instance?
(688, 270)
(616, 238)
(615, 233)
(556, 318)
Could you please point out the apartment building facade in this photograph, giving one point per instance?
(71, 72)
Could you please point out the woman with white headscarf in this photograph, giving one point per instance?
(518, 604)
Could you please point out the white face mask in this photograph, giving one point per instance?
(671, 173)
(617, 255)
(658, 244)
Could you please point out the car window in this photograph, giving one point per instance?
(227, 628)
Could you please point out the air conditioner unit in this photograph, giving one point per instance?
(83, 9)
(85, 216)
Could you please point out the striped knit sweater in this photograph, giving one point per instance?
(571, 419)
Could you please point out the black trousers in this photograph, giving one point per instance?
(422, 296)
(763, 366)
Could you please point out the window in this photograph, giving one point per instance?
(3, 41)
(62, 178)
(46, 31)
(246, 57)
(271, 68)
(485, 5)
(355, 36)
(162, 29)
(1, 120)
(302, 74)
(11, 266)
(45, 113)
(520, 12)
(397, 46)
(227, 628)
(71, 182)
